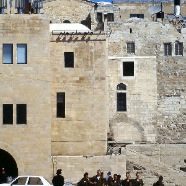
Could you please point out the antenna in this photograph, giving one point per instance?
(3, 5)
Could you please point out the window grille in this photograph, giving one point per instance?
(167, 49)
(131, 48)
(179, 49)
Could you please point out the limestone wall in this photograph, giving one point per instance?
(27, 84)
(83, 131)
(73, 167)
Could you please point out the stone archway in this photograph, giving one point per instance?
(10, 160)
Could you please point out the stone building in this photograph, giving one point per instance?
(111, 96)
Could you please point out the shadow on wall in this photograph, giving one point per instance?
(122, 121)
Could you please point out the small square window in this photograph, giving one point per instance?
(167, 49)
(7, 113)
(69, 59)
(179, 49)
(110, 17)
(21, 113)
(7, 53)
(131, 48)
(21, 53)
(128, 68)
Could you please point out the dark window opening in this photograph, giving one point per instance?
(141, 16)
(110, 17)
(69, 59)
(179, 49)
(7, 53)
(21, 113)
(131, 48)
(130, 30)
(99, 17)
(121, 101)
(167, 49)
(61, 105)
(7, 113)
(121, 86)
(128, 68)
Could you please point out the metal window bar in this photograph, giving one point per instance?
(131, 48)
(167, 49)
(179, 49)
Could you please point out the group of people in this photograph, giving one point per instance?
(3, 176)
(109, 180)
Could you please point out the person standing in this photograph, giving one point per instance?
(97, 178)
(127, 181)
(159, 182)
(58, 179)
(85, 181)
(138, 181)
(3, 177)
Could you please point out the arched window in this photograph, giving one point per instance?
(121, 97)
(121, 86)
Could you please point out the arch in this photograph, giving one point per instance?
(13, 155)
(121, 86)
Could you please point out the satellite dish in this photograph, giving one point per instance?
(155, 9)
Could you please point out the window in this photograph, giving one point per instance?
(35, 181)
(131, 48)
(128, 68)
(167, 49)
(7, 113)
(179, 49)
(21, 112)
(110, 17)
(121, 97)
(141, 16)
(61, 105)
(7, 53)
(99, 17)
(21, 54)
(20, 181)
(69, 59)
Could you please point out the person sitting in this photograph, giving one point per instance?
(159, 182)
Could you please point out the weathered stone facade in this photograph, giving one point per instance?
(155, 93)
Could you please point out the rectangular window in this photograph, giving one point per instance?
(99, 17)
(179, 49)
(21, 53)
(69, 59)
(121, 101)
(61, 105)
(131, 48)
(7, 113)
(7, 53)
(167, 49)
(141, 16)
(128, 68)
(21, 113)
(110, 17)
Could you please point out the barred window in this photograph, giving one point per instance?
(131, 48)
(167, 49)
(179, 48)
(110, 17)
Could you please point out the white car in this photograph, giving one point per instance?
(28, 180)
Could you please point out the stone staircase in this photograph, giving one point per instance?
(150, 166)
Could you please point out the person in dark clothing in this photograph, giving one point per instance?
(85, 181)
(119, 179)
(127, 181)
(97, 179)
(3, 177)
(103, 180)
(58, 180)
(115, 180)
(138, 181)
(159, 182)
